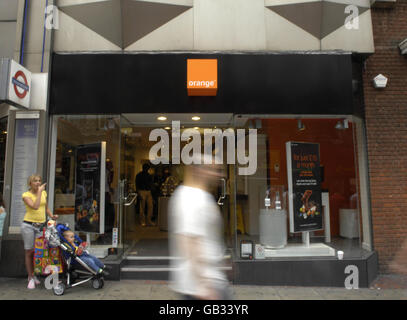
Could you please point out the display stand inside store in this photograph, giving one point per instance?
(304, 249)
(273, 235)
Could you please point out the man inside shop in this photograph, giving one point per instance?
(144, 184)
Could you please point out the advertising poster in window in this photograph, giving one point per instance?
(24, 165)
(90, 188)
(304, 186)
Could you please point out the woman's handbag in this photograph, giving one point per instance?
(46, 258)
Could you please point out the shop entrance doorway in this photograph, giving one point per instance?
(148, 182)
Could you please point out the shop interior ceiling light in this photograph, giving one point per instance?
(300, 125)
(196, 118)
(380, 81)
(162, 118)
(403, 46)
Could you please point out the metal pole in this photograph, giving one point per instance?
(305, 238)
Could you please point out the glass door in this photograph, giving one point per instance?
(139, 144)
(127, 195)
(226, 203)
(126, 199)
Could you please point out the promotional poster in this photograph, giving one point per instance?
(24, 165)
(304, 186)
(89, 189)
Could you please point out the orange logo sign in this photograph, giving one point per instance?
(202, 77)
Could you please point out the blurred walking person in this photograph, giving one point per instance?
(196, 236)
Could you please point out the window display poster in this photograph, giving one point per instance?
(90, 188)
(304, 186)
(24, 165)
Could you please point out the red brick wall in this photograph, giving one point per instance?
(386, 125)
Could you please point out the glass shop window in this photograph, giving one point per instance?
(303, 199)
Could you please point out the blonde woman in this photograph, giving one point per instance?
(35, 200)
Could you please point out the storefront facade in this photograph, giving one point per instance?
(301, 85)
(248, 97)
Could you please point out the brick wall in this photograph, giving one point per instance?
(386, 125)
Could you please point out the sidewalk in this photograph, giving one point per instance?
(384, 288)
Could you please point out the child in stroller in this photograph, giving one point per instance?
(79, 263)
(80, 250)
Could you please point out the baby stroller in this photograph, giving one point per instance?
(76, 271)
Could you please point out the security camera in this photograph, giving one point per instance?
(380, 81)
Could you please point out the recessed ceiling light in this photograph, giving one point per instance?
(196, 128)
(167, 128)
(162, 118)
(196, 118)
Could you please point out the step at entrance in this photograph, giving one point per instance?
(146, 267)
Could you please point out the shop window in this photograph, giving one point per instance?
(331, 210)
(77, 194)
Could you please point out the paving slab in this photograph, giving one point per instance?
(254, 293)
(16, 289)
(298, 293)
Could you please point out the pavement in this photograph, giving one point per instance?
(386, 287)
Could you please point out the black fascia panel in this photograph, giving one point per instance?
(291, 83)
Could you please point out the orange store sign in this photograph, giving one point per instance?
(202, 77)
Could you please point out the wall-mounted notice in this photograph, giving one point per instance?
(90, 188)
(304, 186)
(115, 237)
(24, 165)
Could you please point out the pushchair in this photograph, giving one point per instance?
(76, 271)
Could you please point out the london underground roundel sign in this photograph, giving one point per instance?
(20, 84)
